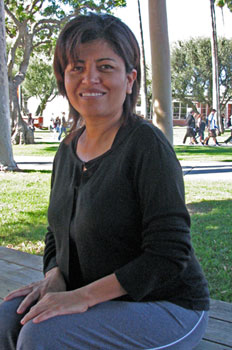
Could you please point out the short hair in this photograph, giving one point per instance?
(86, 28)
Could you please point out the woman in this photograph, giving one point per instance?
(120, 271)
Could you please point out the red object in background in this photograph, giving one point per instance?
(38, 122)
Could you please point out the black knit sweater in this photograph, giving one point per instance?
(126, 215)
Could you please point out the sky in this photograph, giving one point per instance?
(186, 19)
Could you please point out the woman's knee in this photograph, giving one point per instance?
(31, 337)
(38, 336)
(9, 323)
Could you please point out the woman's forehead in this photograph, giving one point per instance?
(98, 47)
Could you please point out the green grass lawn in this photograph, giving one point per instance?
(23, 210)
(203, 153)
(23, 221)
(210, 205)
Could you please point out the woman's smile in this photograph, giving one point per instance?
(89, 94)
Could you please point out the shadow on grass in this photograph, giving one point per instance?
(212, 240)
(51, 149)
(32, 226)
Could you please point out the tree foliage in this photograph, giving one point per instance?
(191, 66)
(222, 3)
(40, 82)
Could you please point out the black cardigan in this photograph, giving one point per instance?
(126, 215)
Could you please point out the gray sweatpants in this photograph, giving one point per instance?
(113, 325)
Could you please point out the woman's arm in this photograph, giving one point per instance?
(104, 289)
(165, 237)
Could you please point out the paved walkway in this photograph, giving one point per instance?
(34, 163)
(221, 171)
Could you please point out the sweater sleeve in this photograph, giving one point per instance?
(49, 258)
(166, 246)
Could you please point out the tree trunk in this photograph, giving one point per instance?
(143, 91)
(161, 68)
(22, 134)
(6, 154)
(215, 71)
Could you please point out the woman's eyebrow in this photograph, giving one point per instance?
(99, 59)
(105, 59)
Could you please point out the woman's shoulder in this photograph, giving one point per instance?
(145, 132)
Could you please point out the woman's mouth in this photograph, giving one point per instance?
(91, 94)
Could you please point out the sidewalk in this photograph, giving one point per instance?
(221, 171)
(218, 171)
(34, 163)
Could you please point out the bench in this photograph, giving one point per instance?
(18, 268)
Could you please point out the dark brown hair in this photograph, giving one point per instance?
(86, 28)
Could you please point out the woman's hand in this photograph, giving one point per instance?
(54, 301)
(54, 304)
(53, 282)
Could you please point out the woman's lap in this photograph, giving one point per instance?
(117, 325)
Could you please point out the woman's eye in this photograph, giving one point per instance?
(77, 68)
(106, 67)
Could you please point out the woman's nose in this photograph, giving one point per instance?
(91, 76)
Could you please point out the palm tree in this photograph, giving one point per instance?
(144, 102)
(161, 68)
(6, 154)
(215, 70)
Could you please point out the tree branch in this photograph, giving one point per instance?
(41, 43)
(34, 3)
(13, 52)
(46, 23)
(17, 23)
(44, 27)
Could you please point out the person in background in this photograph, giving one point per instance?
(120, 269)
(190, 132)
(223, 122)
(52, 122)
(57, 123)
(30, 122)
(63, 126)
(201, 123)
(229, 139)
(229, 121)
(212, 128)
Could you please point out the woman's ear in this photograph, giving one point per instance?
(131, 77)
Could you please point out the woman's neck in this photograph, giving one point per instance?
(97, 138)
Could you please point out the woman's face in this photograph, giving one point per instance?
(97, 83)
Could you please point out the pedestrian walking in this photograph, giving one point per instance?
(190, 132)
(212, 128)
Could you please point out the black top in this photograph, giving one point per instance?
(190, 121)
(125, 215)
